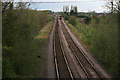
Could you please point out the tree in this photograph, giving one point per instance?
(111, 6)
(5, 6)
(22, 5)
(72, 21)
(114, 6)
(72, 10)
(75, 9)
(65, 9)
(87, 20)
(9, 5)
(117, 6)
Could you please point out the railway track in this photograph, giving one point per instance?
(61, 64)
(84, 62)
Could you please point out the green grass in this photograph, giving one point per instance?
(82, 32)
(42, 39)
(43, 33)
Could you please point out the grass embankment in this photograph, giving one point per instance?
(23, 54)
(44, 32)
(81, 31)
(100, 37)
(42, 39)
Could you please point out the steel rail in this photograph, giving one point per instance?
(54, 52)
(82, 54)
(63, 52)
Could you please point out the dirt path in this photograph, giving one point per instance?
(50, 61)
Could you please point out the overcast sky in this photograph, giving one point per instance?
(57, 5)
(54, 0)
(83, 6)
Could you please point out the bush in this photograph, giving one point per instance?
(87, 20)
(72, 20)
(65, 15)
(20, 49)
(104, 43)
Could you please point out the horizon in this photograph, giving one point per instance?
(83, 6)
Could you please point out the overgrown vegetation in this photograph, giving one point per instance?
(65, 15)
(101, 38)
(72, 21)
(81, 30)
(23, 54)
(104, 43)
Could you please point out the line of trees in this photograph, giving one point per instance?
(72, 11)
(104, 42)
(19, 48)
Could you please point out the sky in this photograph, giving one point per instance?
(57, 5)
(51, 0)
(83, 6)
